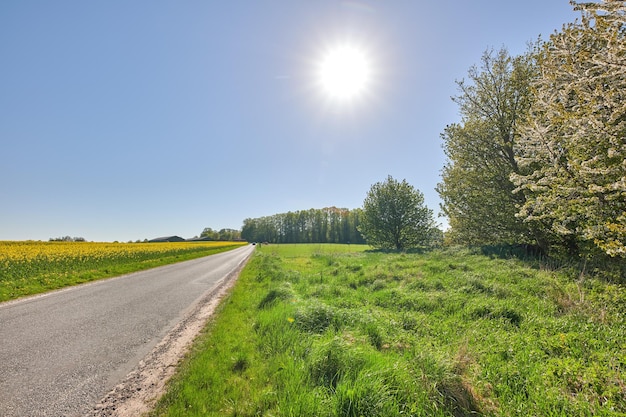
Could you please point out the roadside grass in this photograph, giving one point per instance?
(29, 267)
(315, 330)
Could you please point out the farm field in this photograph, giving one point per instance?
(30, 267)
(321, 330)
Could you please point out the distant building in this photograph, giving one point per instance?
(200, 239)
(167, 239)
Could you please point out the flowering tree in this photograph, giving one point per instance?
(572, 153)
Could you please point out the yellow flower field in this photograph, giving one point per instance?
(29, 267)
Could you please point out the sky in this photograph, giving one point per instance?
(126, 120)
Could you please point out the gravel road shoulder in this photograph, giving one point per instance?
(143, 386)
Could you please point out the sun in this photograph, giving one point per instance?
(344, 72)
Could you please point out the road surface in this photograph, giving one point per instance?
(61, 352)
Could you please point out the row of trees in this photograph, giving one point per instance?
(327, 225)
(223, 234)
(66, 239)
(539, 155)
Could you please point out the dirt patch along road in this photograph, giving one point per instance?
(93, 349)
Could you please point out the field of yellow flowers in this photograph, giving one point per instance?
(30, 267)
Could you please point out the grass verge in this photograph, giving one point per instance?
(315, 330)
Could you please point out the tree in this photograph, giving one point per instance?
(476, 189)
(573, 144)
(228, 234)
(394, 216)
(209, 233)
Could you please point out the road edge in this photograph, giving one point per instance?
(144, 385)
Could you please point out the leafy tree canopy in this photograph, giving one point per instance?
(395, 217)
(573, 147)
(476, 190)
(327, 225)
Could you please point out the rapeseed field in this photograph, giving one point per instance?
(30, 267)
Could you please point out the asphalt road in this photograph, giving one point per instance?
(63, 351)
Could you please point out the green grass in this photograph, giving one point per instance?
(316, 330)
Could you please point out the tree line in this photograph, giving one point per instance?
(221, 235)
(539, 156)
(67, 239)
(326, 225)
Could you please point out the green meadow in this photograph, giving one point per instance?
(338, 330)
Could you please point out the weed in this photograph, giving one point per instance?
(316, 317)
(458, 397)
(476, 285)
(508, 315)
(285, 292)
(374, 335)
(240, 364)
(365, 395)
(331, 360)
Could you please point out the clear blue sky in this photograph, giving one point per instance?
(125, 120)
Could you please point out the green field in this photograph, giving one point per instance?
(319, 330)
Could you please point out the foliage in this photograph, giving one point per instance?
(29, 267)
(67, 239)
(222, 234)
(395, 217)
(327, 225)
(476, 190)
(310, 331)
(539, 157)
(573, 148)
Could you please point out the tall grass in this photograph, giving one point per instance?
(313, 331)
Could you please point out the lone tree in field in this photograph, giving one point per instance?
(395, 217)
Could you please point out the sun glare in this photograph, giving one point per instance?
(344, 72)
